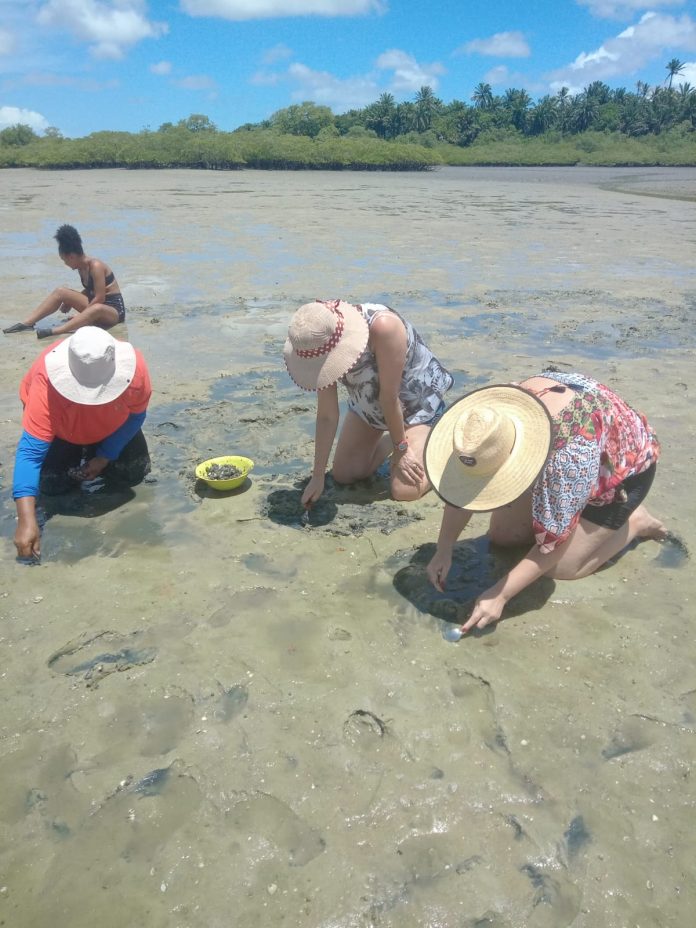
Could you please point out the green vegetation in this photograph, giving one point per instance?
(599, 126)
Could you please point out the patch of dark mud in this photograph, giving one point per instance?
(576, 837)
(585, 323)
(245, 414)
(364, 507)
(95, 656)
(476, 566)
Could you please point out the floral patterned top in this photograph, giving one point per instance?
(598, 441)
(423, 384)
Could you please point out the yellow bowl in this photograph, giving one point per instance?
(243, 464)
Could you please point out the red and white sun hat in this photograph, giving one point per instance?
(325, 339)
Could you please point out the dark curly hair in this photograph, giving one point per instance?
(69, 241)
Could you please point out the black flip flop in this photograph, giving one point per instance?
(17, 327)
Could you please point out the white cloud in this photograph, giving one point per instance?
(687, 76)
(196, 82)
(279, 52)
(497, 76)
(266, 79)
(161, 67)
(327, 90)
(500, 45)
(11, 115)
(109, 28)
(7, 42)
(409, 75)
(629, 51)
(624, 9)
(276, 9)
(341, 94)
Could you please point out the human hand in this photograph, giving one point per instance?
(28, 538)
(487, 609)
(92, 468)
(438, 569)
(407, 467)
(312, 492)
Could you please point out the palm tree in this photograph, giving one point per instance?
(381, 116)
(517, 102)
(599, 92)
(482, 96)
(583, 112)
(674, 66)
(544, 115)
(427, 104)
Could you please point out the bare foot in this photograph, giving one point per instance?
(648, 526)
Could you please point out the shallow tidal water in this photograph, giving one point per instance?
(217, 714)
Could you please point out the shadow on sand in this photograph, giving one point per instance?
(476, 566)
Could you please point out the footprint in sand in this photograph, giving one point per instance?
(263, 815)
(95, 656)
(632, 735)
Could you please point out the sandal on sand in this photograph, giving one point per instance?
(17, 327)
(44, 331)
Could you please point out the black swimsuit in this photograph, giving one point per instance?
(115, 300)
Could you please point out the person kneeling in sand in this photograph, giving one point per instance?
(98, 303)
(560, 461)
(85, 400)
(395, 392)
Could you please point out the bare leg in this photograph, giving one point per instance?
(591, 545)
(360, 450)
(60, 297)
(97, 314)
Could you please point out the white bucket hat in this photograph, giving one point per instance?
(91, 367)
(488, 448)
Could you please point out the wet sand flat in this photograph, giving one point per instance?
(213, 714)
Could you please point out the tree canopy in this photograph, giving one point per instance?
(417, 133)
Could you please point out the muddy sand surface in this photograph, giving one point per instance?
(214, 715)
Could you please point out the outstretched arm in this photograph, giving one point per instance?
(31, 453)
(111, 447)
(389, 343)
(454, 521)
(324, 435)
(490, 604)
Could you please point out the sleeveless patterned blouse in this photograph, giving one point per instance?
(423, 384)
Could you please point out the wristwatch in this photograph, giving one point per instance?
(401, 446)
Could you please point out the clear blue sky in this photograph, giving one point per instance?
(87, 65)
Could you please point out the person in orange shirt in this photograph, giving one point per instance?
(85, 400)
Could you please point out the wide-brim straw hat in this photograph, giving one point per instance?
(91, 367)
(325, 339)
(488, 447)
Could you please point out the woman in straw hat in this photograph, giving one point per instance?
(395, 392)
(85, 400)
(560, 461)
(100, 301)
